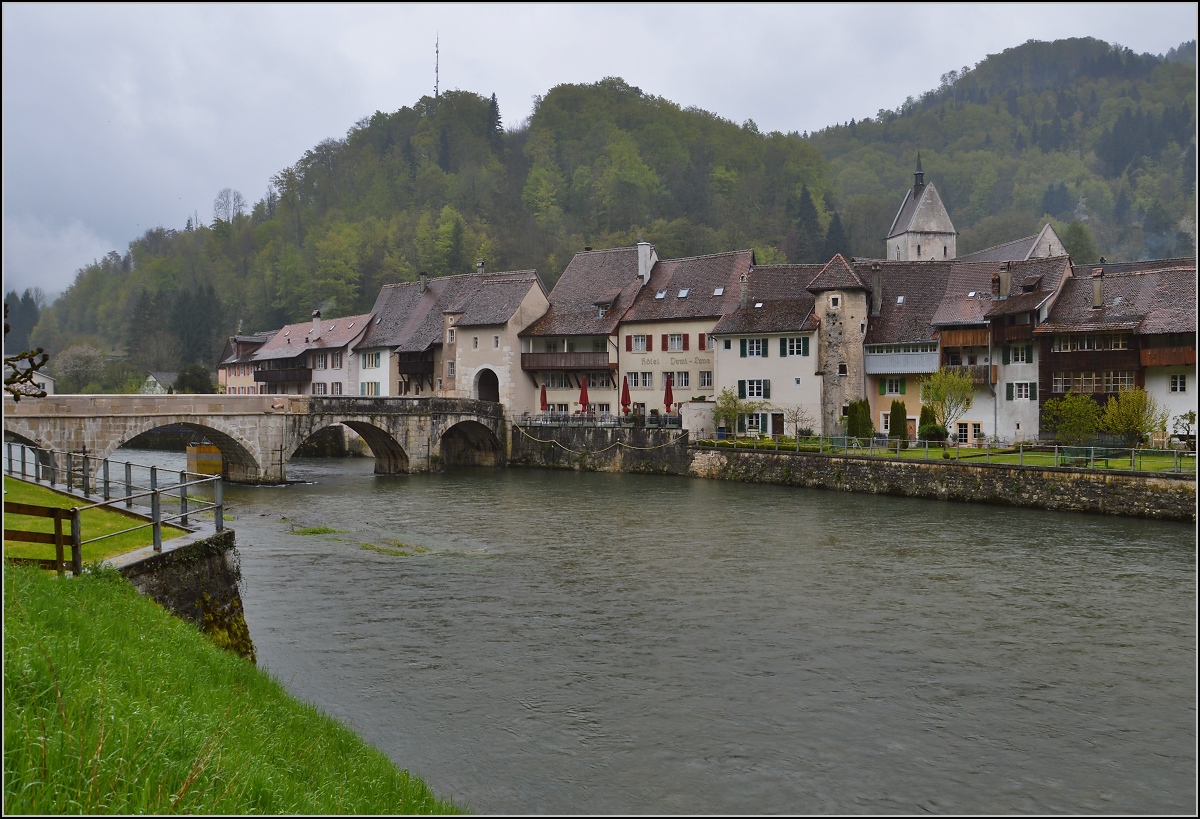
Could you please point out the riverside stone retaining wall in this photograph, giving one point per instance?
(667, 452)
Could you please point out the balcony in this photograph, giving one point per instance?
(415, 367)
(980, 373)
(566, 361)
(900, 363)
(1014, 332)
(278, 376)
(1168, 356)
(969, 337)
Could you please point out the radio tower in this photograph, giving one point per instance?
(436, 44)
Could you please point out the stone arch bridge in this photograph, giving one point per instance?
(257, 434)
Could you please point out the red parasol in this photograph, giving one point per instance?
(545, 406)
(669, 397)
(583, 396)
(625, 402)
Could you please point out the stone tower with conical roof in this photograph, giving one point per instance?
(922, 230)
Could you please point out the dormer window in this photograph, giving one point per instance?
(601, 311)
(719, 291)
(661, 294)
(683, 292)
(758, 304)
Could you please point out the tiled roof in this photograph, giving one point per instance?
(592, 277)
(241, 348)
(1043, 274)
(786, 307)
(1085, 270)
(1151, 302)
(837, 274)
(968, 294)
(412, 321)
(921, 284)
(700, 276)
(1018, 249)
(295, 339)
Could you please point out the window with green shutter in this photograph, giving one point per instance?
(766, 388)
(883, 386)
(783, 345)
(1008, 388)
(741, 424)
(903, 386)
(804, 346)
(764, 346)
(742, 386)
(1028, 353)
(743, 348)
(1005, 349)
(1032, 390)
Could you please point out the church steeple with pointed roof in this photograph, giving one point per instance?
(922, 230)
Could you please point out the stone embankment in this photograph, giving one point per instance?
(1165, 497)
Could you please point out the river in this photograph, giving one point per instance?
(594, 643)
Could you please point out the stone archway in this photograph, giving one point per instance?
(238, 462)
(390, 457)
(470, 443)
(487, 386)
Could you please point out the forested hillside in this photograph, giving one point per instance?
(1076, 129)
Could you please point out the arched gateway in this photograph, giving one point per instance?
(257, 434)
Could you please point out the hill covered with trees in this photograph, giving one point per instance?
(1078, 130)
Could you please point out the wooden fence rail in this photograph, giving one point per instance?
(58, 539)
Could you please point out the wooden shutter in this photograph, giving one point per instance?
(903, 385)
(766, 388)
(1008, 390)
(701, 341)
(1028, 353)
(664, 340)
(743, 349)
(741, 424)
(764, 341)
(804, 346)
(1032, 390)
(1005, 349)
(783, 348)
(649, 342)
(629, 344)
(742, 388)
(685, 340)
(883, 386)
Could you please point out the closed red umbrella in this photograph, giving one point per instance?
(625, 402)
(545, 406)
(669, 397)
(583, 396)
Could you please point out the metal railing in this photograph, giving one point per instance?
(91, 476)
(1123, 459)
(597, 419)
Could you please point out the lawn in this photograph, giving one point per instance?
(95, 523)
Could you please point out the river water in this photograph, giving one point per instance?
(595, 643)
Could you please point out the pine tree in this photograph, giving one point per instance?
(836, 240)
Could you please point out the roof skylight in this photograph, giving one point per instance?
(719, 291)
(899, 299)
(758, 304)
(683, 292)
(661, 294)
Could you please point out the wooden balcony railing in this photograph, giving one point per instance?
(1167, 356)
(415, 367)
(289, 374)
(566, 361)
(1014, 332)
(980, 373)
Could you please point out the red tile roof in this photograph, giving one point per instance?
(592, 278)
(700, 276)
(786, 306)
(296, 339)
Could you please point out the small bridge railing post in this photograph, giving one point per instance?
(53, 469)
(37, 465)
(128, 484)
(8, 446)
(87, 483)
(156, 518)
(70, 471)
(183, 509)
(23, 448)
(107, 485)
(219, 508)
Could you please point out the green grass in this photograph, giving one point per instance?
(95, 522)
(111, 705)
(316, 530)
(396, 549)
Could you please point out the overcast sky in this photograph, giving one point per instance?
(119, 118)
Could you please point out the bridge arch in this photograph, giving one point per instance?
(239, 462)
(390, 457)
(470, 443)
(487, 385)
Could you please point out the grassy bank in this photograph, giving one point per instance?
(94, 523)
(113, 706)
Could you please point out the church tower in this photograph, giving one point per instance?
(922, 230)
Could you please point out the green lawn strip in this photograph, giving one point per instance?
(317, 530)
(95, 522)
(111, 705)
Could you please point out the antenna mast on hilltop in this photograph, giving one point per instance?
(436, 44)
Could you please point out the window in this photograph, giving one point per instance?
(496, 342)
(449, 369)
(370, 361)
(841, 369)
(335, 359)
(793, 346)
(439, 386)
(1021, 390)
(647, 380)
(718, 291)
(661, 294)
(683, 292)
(318, 388)
(450, 336)
(835, 302)
(603, 407)
(895, 386)
(729, 344)
(705, 378)
(1179, 383)
(1019, 354)
(1118, 381)
(683, 379)
(319, 361)
(1120, 342)
(474, 342)
(675, 341)
(334, 389)
(639, 344)
(963, 431)
(754, 388)
(954, 358)
(601, 311)
(562, 407)
(558, 381)
(887, 421)
(976, 431)
(754, 347)
(368, 388)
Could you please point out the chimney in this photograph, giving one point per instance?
(1005, 280)
(1097, 288)
(479, 266)
(744, 295)
(423, 277)
(876, 288)
(316, 327)
(646, 260)
(995, 285)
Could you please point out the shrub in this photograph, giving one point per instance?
(932, 432)
(858, 420)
